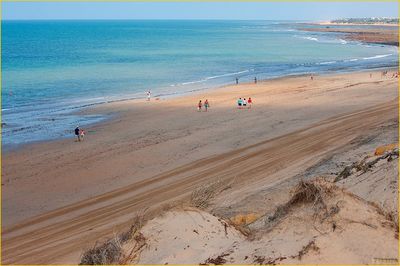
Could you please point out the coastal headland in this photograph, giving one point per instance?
(387, 34)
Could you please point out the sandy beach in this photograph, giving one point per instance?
(60, 197)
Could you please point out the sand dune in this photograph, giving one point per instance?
(313, 230)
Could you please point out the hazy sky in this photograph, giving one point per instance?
(210, 10)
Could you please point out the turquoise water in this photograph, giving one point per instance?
(51, 69)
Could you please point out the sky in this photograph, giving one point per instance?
(196, 10)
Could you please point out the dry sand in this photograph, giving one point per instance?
(60, 197)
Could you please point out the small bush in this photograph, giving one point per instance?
(108, 253)
(305, 192)
(111, 252)
(201, 197)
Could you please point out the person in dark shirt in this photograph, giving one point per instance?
(77, 133)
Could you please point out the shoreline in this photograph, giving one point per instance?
(90, 109)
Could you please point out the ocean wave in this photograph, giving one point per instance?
(327, 63)
(215, 77)
(377, 56)
(323, 40)
(309, 38)
(227, 74)
(287, 30)
(193, 82)
(351, 60)
(354, 59)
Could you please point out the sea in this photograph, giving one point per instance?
(53, 69)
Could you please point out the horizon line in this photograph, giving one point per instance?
(226, 19)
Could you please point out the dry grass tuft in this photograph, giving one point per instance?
(393, 217)
(309, 192)
(140, 242)
(312, 192)
(202, 196)
(137, 224)
(111, 251)
(108, 253)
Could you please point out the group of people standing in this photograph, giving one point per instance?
(244, 103)
(200, 105)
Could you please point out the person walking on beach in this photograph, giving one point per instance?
(206, 105)
(78, 133)
(237, 81)
(240, 103)
(255, 80)
(312, 77)
(244, 103)
(250, 102)
(199, 106)
(82, 133)
(148, 95)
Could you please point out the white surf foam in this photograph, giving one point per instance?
(327, 63)
(227, 74)
(214, 77)
(377, 56)
(310, 38)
